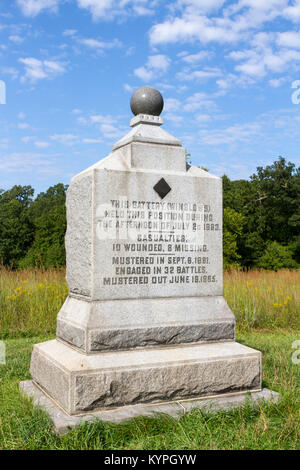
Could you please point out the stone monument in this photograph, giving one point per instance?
(145, 326)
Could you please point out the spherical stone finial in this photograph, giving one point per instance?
(147, 100)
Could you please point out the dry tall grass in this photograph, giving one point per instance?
(264, 299)
(31, 299)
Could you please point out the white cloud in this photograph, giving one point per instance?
(28, 162)
(158, 61)
(199, 101)
(99, 118)
(205, 21)
(110, 131)
(255, 68)
(171, 105)
(260, 60)
(27, 139)
(130, 50)
(41, 144)
(34, 7)
(70, 32)
(65, 139)
(204, 74)
(107, 125)
(109, 9)
(156, 66)
(292, 12)
(128, 88)
(36, 69)
(174, 118)
(192, 28)
(141, 10)
(97, 8)
(99, 46)
(203, 118)
(14, 73)
(289, 39)
(82, 120)
(144, 74)
(92, 141)
(23, 125)
(16, 38)
(205, 6)
(194, 58)
(231, 135)
(277, 82)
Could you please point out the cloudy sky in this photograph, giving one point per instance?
(228, 71)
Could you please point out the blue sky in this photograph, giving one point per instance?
(225, 68)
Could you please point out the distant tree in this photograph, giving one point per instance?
(48, 214)
(236, 194)
(276, 257)
(270, 203)
(45, 201)
(294, 247)
(276, 201)
(232, 229)
(16, 227)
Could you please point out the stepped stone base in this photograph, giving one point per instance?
(63, 422)
(82, 383)
(91, 327)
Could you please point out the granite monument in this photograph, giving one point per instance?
(145, 326)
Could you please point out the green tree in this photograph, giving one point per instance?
(270, 203)
(276, 201)
(48, 214)
(233, 223)
(16, 227)
(277, 257)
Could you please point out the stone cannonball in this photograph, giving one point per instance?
(147, 100)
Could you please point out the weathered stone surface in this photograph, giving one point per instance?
(122, 324)
(82, 383)
(145, 156)
(79, 235)
(52, 377)
(148, 337)
(63, 422)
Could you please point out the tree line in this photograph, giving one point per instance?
(261, 223)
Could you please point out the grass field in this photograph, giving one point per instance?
(31, 299)
(267, 307)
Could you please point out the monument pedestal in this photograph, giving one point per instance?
(63, 422)
(145, 326)
(93, 326)
(82, 383)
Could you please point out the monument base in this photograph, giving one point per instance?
(63, 422)
(96, 326)
(82, 383)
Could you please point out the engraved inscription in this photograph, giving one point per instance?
(157, 243)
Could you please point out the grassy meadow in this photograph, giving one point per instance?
(31, 299)
(267, 309)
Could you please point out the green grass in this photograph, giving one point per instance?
(267, 427)
(267, 309)
(31, 299)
